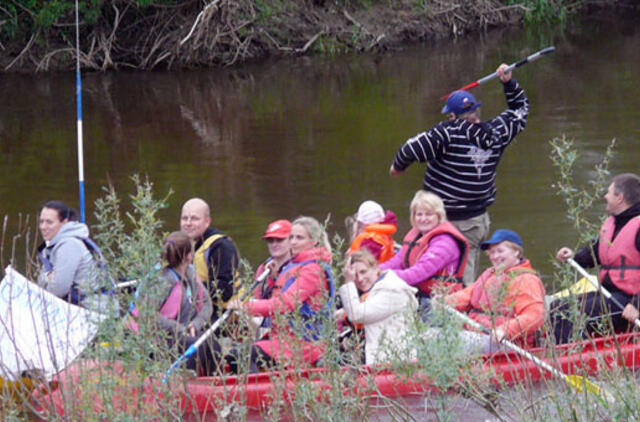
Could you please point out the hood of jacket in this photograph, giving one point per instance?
(389, 279)
(68, 230)
(318, 254)
(390, 218)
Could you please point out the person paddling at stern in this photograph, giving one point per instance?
(462, 156)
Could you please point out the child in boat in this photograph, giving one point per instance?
(378, 300)
(178, 306)
(507, 299)
(374, 230)
(300, 301)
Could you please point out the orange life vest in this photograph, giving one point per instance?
(382, 235)
(619, 257)
(415, 245)
(356, 325)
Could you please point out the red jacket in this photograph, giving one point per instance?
(311, 286)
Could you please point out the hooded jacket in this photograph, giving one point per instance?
(73, 265)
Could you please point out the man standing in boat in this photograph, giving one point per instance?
(216, 257)
(617, 252)
(462, 156)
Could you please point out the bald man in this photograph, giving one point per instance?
(216, 257)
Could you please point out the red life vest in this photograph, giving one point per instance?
(619, 257)
(356, 325)
(415, 245)
(382, 235)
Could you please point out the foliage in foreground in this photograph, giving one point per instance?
(127, 361)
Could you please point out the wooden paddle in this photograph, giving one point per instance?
(575, 381)
(194, 347)
(594, 281)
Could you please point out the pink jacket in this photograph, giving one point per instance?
(310, 285)
(443, 252)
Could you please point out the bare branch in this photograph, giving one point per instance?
(24, 50)
(198, 18)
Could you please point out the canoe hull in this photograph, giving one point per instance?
(256, 391)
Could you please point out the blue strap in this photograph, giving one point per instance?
(312, 319)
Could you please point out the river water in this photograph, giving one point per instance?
(316, 136)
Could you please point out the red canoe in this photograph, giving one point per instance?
(202, 395)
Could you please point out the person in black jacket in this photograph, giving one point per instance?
(462, 156)
(617, 252)
(216, 257)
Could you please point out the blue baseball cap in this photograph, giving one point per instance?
(460, 102)
(501, 235)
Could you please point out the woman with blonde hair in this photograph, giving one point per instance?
(299, 304)
(378, 300)
(434, 253)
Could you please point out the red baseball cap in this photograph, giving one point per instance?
(279, 229)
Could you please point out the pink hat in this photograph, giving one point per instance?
(279, 229)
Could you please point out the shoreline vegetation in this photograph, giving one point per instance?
(39, 36)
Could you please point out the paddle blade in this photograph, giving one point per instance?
(580, 383)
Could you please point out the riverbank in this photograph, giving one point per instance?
(144, 35)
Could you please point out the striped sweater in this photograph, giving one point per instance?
(462, 157)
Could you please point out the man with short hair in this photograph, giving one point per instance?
(216, 257)
(462, 156)
(617, 252)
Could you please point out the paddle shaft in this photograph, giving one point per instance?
(528, 59)
(540, 363)
(594, 281)
(194, 347)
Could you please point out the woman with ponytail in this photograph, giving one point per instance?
(178, 306)
(299, 305)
